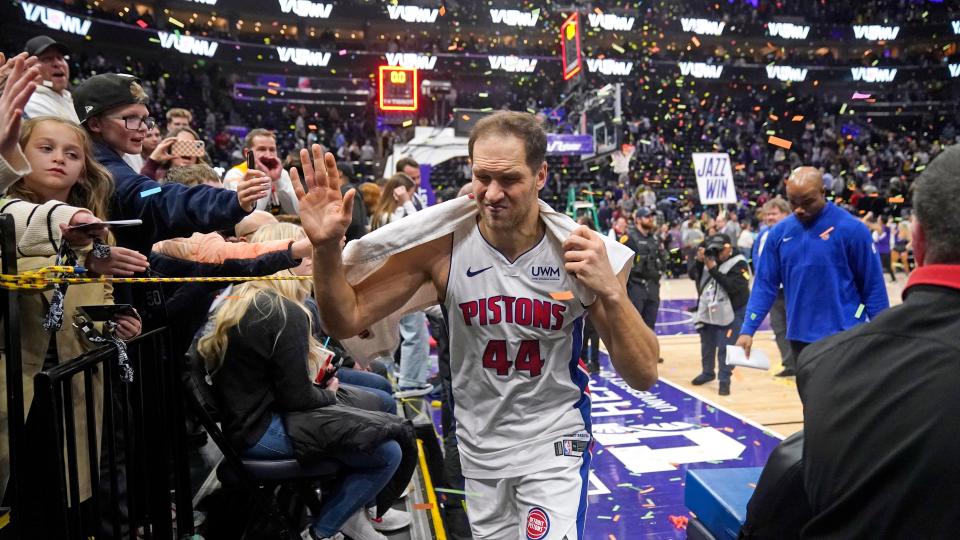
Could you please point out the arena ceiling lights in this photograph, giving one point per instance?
(188, 44)
(787, 30)
(512, 17)
(306, 8)
(55, 19)
(412, 14)
(609, 21)
(875, 32)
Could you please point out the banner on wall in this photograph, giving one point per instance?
(714, 178)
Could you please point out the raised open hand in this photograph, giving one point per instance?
(324, 213)
(21, 78)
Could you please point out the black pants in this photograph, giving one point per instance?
(888, 265)
(778, 321)
(451, 454)
(796, 347)
(646, 298)
(713, 345)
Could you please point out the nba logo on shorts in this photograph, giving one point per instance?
(538, 524)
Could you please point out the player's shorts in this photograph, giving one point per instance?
(546, 505)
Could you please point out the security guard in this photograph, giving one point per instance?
(648, 264)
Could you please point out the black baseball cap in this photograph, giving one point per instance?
(719, 238)
(37, 45)
(103, 92)
(643, 211)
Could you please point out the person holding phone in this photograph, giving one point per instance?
(182, 147)
(260, 155)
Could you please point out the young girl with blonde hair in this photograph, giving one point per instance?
(62, 169)
(262, 358)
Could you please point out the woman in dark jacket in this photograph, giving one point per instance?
(263, 360)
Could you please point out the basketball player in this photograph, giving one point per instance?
(505, 284)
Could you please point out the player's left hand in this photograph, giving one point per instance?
(585, 257)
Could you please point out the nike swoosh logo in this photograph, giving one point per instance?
(788, 238)
(471, 273)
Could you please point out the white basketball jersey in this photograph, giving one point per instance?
(520, 396)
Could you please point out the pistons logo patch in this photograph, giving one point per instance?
(538, 524)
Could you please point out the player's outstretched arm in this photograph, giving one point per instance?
(325, 214)
(633, 347)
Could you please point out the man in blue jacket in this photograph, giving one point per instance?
(827, 263)
(111, 108)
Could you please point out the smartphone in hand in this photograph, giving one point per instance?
(107, 224)
(251, 161)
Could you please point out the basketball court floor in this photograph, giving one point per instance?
(646, 441)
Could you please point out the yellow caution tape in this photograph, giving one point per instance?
(40, 279)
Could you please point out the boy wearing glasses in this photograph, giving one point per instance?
(112, 109)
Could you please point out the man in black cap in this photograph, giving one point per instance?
(723, 284)
(51, 97)
(648, 264)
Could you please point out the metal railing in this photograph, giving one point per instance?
(141, 469)
(110, 464)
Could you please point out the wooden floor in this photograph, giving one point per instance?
(755, 394)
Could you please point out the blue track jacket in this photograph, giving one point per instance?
(830, 272)
(167, 210)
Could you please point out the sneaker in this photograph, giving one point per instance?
(787, 372)
(358, 527)
(414, 391)
(725, 389)
(308, 534)
(702, 378)
(392, 519)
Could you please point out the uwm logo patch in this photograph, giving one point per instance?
(538, 523)
(545, 273)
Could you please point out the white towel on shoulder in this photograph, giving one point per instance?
(364, 256)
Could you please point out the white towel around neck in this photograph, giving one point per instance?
(364, 256)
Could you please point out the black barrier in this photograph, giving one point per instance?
(143, 452)
(14, 369)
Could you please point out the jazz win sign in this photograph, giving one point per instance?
(714, 178)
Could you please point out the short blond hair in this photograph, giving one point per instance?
(178, 112)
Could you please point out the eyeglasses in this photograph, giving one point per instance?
(134, 122)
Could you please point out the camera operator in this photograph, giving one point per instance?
(648, 264)
(724, 289)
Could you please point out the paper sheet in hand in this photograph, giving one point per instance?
(737, 357)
